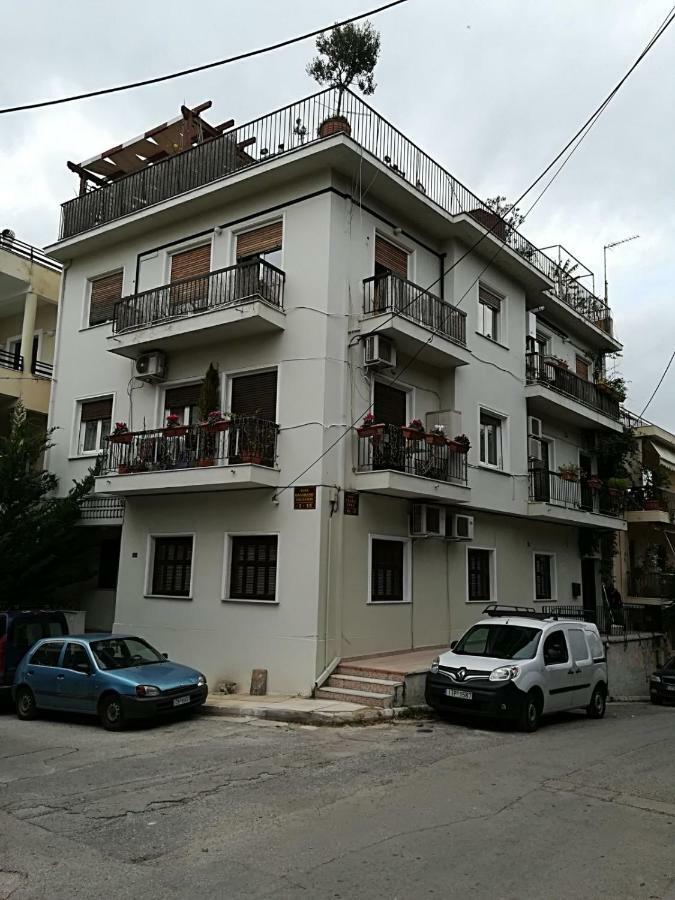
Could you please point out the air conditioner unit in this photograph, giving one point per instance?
(427, 520)
(459, 527)
(534, 448)
(379, 352)
(151, 367)
(534, 427)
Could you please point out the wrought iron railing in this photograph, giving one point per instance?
(102, 508)
(26, 251)
(10, 360)
(646, 498)
(43, 369)
(652, 584)
(554, 489)
(390, 293)
(289, 129)
(392, 447)
(544, 370)
(236, 284)
(625, 619)
(244, 439)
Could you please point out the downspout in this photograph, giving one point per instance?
(57, 350)
(441, 260)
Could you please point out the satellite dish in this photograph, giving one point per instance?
(7, 234)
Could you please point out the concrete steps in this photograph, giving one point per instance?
(368, 687)
(365, 698)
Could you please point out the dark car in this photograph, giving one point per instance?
(662, 683)
(19, 630)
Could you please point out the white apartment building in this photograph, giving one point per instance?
(273, 250)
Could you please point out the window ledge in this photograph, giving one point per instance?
(485, 468)
(249, 601)
(492, 341)
(165, 597)
(92, 455)
(476, 602)
(389, 603)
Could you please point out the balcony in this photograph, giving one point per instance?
(552, 497)
(291, 130)
(650, 505)
(408, 314)
(631, 618)
(653, 585)
(391, 461)
(191, 458)
(555, 391)
(245, 299)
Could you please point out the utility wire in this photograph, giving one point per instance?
(670, 361)
(212, 65)
(580, 134)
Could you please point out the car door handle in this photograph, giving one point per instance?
(29, 672)
(576, 671)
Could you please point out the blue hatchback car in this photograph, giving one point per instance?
(114, 676)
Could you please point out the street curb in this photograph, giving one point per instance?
(318, 717)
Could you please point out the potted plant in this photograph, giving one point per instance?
(436, 436)
(569, 472)
(614, 387)
(173, 427)
(370, 428)
(460, 444)
(414, 431)
(121, 434)
(123, 468)
(617, 486)
(593, 482)
(216, 421)
(346, 55)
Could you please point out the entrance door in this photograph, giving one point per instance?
(585, 464)
(588, 589)
(253, 403)
(542, 478)
(390, 405)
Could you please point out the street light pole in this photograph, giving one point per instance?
(604, 256)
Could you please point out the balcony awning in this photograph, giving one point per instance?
(666, 456)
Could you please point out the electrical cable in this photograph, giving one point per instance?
(212, 65)
(665, 372)
(579, 135)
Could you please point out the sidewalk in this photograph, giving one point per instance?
(302, 710)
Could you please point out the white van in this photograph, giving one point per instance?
(515, 664)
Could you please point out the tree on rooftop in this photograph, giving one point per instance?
(348, 55)
(41, 547)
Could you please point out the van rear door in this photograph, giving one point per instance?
(24, 630)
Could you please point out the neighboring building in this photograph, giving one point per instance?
(645, 565)
(299, 258)
(29, 295)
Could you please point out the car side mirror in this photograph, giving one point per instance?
(453, 644)
(165, 655)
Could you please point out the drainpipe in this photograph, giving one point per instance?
(57, 350)
(441, 260)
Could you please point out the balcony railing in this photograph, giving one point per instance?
(552, 488)
(190, 296)
(629, 618)
(245, 440)
(644, 499)
(288, 130)
(28, 252)
(11, 361)
(43, 369)
(390, 293)
(391, 448)
(652, 584)
(541, 370)
(102, 508)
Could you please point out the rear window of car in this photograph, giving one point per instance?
(500, 641)
(25, 631)
(47, 654)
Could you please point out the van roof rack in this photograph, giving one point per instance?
(499, 609)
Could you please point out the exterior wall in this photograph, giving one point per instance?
(631, 662)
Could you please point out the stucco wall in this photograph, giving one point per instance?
(631, 662)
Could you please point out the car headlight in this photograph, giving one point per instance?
(201, 681)
(434, 665)
(655, 678)
(147, 690)
(504, 673)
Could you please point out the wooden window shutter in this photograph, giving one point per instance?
(389, 404)
(92, 410)
(582, 368)
(253, 572)
(191, 263)
(260, 240)
(386, 577)
(105, 292)
(182, 396)
(255, 395)
(489, 298)
(391, 257)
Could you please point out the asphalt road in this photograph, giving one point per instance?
(213, 807)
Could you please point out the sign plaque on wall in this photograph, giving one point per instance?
(304, 497)
(351, 503)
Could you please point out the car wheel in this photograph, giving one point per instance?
(111, 713)
(531, 713)
(596, 708)
(25, 704)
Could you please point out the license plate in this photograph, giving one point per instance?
(461, 695)
(181, 701)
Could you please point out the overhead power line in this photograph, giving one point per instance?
(654, 392)
(201, 68)
(576, 140)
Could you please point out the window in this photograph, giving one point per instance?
(95, 422)
(183, 402)
(500, 641)
(255, 395)
(578, 645)
(479, 564)
(104, 293)
(489, 312)
(555, 649)
(491, 440)
(76, 658)
(389, 568)
(389, 404)
(390, 259)
(189, 277)
(582, 368)
(261, 243)
(47, 655)
(543, 576)
(172, 566)
(253, 567)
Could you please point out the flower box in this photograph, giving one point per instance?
(594, 484)
(569, 476)
(205, 461)
(123, 469)
(126, 437)
(437, 440)
(216, 427)
(651, 505)
(373, 431)
(412, 434)
(252, 457)
(176, 431)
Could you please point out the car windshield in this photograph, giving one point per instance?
(121, 653)
(500, 641)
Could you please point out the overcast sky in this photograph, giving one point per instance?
(491, 89)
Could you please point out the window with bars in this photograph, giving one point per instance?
(489, 314)
(104, 293)
(172, 566)
(543, 576)
(95, 419)
(479, 565)
(253, 567)
(388, 566)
